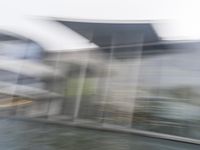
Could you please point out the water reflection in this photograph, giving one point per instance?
(22, 135)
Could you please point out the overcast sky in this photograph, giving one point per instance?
(181, 18)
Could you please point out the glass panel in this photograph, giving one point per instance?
(169, 102)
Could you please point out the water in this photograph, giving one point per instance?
(23, 135)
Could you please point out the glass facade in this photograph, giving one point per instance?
(132, 81)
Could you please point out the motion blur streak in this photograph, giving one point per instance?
(69, 75)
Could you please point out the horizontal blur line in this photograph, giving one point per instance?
(130, 46)
(13, 104)
(110, 128)
(103, 21)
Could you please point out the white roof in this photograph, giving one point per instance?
(26, 91)
(29, 68)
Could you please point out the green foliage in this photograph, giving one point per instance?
(73, 84)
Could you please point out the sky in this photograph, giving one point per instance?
(181, 18)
